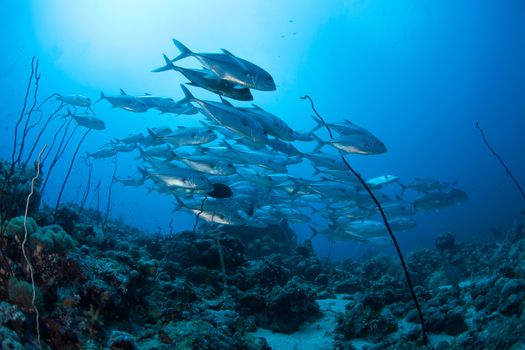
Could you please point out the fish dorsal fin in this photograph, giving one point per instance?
(227, 145)
(348, 121)
(239, 61)
(153, 134)
(147, 94)
(226, 102)
(181, 127)
(256, 107)
(122, 92)
(204, 124)
(228, 53)
(206, 73)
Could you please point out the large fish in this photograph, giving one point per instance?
(75, 100)
(325, 160)
(102, 153)
(231, 68)
(87, 121)
(230, 118)
(424, 185)
(178, 177)
(206, 79)
(380, 181)
(364, 144)
(219, 215)
(440, 200)
(209, 165)
(130, 181)
(342, 128)
(131, 139)
(186, 136)
(126, 102)
(230, 135)
(273, 125)
(150, 100)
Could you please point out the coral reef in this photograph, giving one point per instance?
(120, 288)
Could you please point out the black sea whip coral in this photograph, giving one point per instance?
(387, 225)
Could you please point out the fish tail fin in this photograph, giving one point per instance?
(320, 143)
(100, 98)
(153, 134)
(69, 113)
(142, 177)
(317, 171)
(142, 171)
(184, 51)
(180, 204)
(319, 124)
(168, 66)
(187, 94)
(315, 232)
(403, 188)
(227, 145)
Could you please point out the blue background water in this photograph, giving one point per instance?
(417, 74)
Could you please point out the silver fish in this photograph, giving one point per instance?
(231, 68)
(440, 200)
(186, 136)
(209, 165)
(218, 215)
(126, 102)
(87, 121)
(75, 100)
(364, 144)
(206, 79)
(103, 153)
(135, 138)
(131, 181)
(230, 118)
(178, 177)
(380, 181)
(271, 124)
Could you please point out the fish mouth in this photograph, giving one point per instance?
(266, 88)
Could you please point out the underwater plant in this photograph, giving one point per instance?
(507, 170)
(30, 266)
(385, 220)
(109, 194)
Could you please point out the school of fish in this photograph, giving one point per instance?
(249, 150)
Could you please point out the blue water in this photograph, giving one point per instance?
(419, 75)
